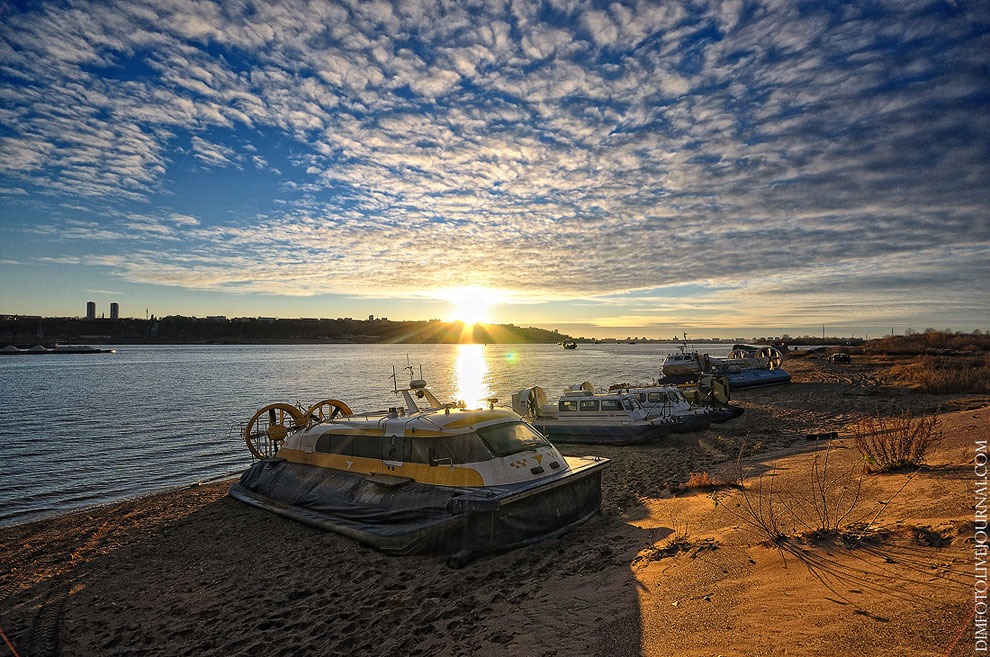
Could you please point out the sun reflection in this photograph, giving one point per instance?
(471, 370)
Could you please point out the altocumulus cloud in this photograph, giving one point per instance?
(773, 151)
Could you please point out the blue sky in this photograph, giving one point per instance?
(724, 168)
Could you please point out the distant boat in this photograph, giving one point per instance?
(567, 344)
(11, 350)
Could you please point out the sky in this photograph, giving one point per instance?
(607, 169)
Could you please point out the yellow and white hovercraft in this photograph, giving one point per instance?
(438, 479)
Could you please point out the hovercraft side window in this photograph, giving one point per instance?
(611, 405)
(330, 443)
(369, 447)
(589, 404)
(567, 405)
(511, 438)
(466, 448)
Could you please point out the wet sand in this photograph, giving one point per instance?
(660, 571)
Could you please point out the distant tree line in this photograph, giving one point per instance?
(191, 330)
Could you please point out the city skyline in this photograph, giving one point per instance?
(602, 169)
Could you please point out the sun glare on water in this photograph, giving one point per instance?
(472, 372)
(471, 304)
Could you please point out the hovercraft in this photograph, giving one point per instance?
(698, 405)
(439, 479)
(746, 367)
(582, 416)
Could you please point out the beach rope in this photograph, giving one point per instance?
(7, 641)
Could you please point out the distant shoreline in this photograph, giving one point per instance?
(32, 330)
(262, 343)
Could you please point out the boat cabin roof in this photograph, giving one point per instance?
(430, 421)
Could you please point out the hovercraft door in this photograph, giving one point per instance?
(395, 452)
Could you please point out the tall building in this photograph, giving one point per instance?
(90, 310)
(114, 310)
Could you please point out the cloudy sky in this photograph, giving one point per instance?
(624, 168)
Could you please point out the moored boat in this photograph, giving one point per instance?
(746, 367)
(709, 403)
(440, 478)
(583, 416)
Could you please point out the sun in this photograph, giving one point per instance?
(471, 305)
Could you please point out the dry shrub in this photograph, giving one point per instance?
(757, 509)
(833, 493)
(822, 507)
(891, 443)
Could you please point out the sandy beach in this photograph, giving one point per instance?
(662, 570)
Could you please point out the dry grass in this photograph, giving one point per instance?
(729, 477)
(701, 481)
(892, 443)
(928, 342)
(679, 540)
(946, 374)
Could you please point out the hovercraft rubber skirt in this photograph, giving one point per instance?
(756, 378)
(415, 518)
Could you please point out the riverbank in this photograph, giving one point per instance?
(661, 571)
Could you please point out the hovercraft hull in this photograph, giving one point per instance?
(754, 378)
(748, 378)
(401, 516)
(691, 422)
(726, 413)
(603, 434)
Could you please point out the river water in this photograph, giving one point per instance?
(79, 430)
